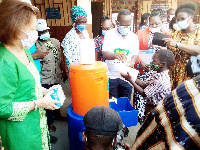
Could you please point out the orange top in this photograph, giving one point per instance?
(143, 36)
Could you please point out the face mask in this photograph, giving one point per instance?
(154, 67)
(45, 36)
(153, 30)
(32, 37)
(148, 23)
(123, 30)
(81, 27)
(103, 32)
(175, 26)
(171, 16)
(183, 24)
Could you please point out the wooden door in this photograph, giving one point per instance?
(97, 13)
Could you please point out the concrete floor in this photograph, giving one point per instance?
(62, 126)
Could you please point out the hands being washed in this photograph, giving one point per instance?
(131, 63)
(121, 57)
(127, 77)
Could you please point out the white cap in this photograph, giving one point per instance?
(42, 25)
(28, 1)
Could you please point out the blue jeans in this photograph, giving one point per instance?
(119, 88)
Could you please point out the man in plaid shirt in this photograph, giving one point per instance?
(158, 85)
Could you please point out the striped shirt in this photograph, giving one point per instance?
(175, 123)
(158, 87)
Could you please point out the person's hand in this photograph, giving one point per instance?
(39, 54)
(47, 102)
(144, 66)
(126, 146)
(131, 63)
(45, 91)
(126, 76)
(121, 57)
(170, 42)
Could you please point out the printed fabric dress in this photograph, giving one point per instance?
(71, 47)
(98, 46)
(178, 72)
(174, 123)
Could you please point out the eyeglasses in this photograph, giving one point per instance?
(181, 19)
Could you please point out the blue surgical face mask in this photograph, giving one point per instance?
(123, 30)
(45, 36)
(148, 23)
(103, 32)
(183, 24)
(81, 28)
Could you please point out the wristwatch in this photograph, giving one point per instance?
(35, 108)
(177, 45)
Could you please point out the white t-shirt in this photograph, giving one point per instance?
(115, 43)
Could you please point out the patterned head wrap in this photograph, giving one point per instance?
(77, 12)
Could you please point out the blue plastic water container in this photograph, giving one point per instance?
(75, 129)
(127, 113)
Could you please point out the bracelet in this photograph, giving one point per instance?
(35, 108)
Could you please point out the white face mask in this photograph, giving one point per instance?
(171, 17)
(183, 24)
(175, 26)
(32, 37)
(153, 30)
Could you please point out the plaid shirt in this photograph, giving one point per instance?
(158, 87)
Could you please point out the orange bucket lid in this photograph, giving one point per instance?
(98, 66)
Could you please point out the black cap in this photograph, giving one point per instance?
(102, 120)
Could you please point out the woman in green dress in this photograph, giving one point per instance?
(23, 123)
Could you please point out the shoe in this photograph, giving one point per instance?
(52, 128)
(61, 118)
(53, 139)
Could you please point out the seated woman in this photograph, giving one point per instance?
(174, 123)
(70, 42)
(145, 43)
(106, 24)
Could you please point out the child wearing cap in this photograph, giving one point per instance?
(158, 85)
